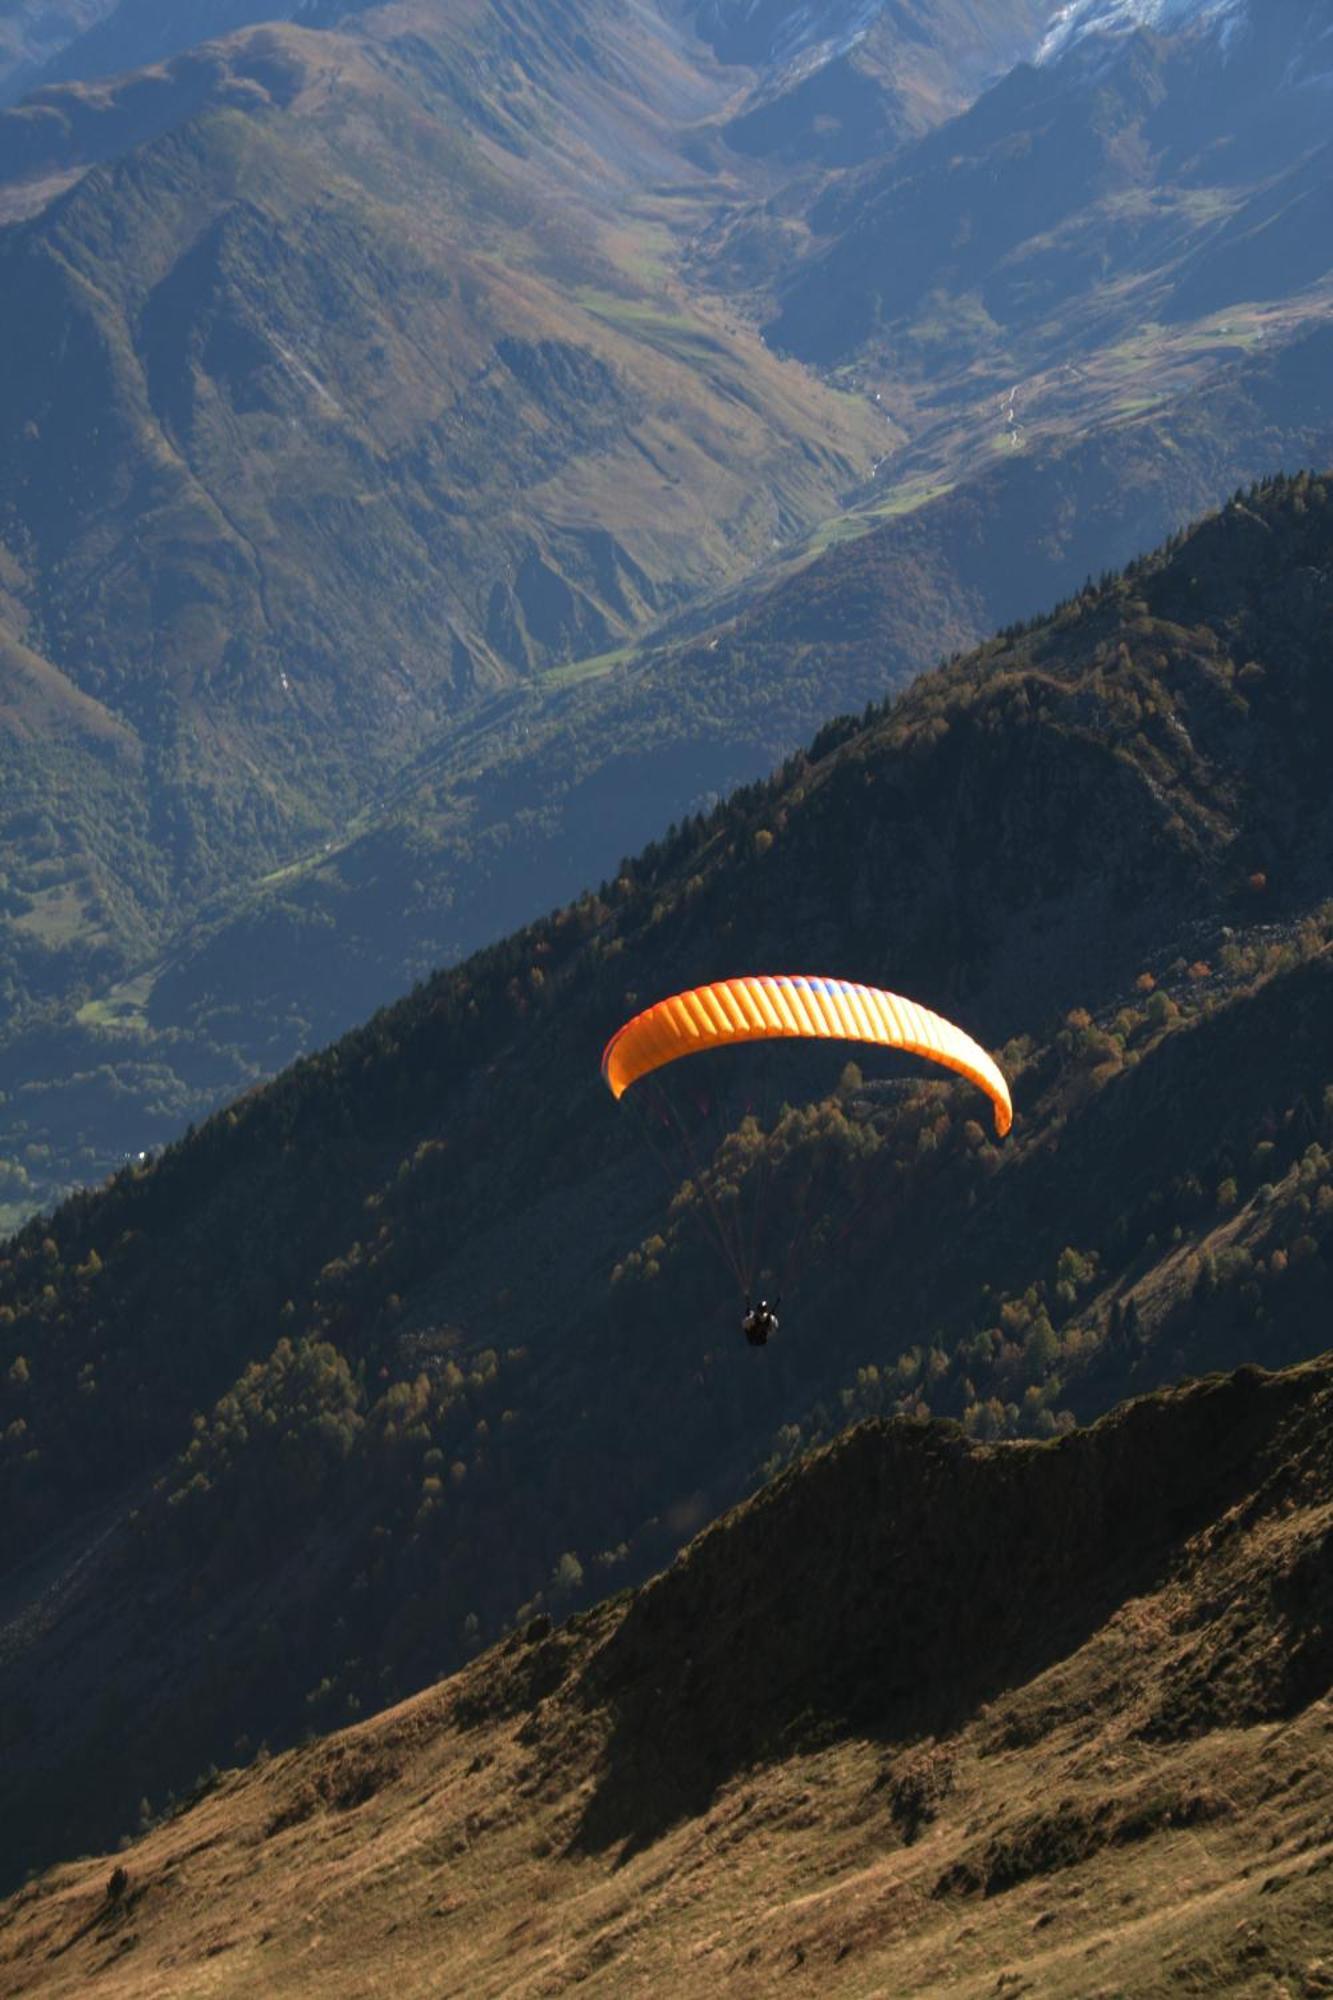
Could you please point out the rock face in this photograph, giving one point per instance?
(1239, 30)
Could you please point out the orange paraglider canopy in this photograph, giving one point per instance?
(773, 1005)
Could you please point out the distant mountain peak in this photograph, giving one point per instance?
(1079, 19)
(1292, 40)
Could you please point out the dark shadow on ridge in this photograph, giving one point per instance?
(893, 1584)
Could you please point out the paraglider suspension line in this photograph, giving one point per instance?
(723, 1238)
(733, 1248)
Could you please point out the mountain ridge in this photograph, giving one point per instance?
(1086, 18)
(773, 1757)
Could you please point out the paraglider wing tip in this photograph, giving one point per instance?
(609, 1076)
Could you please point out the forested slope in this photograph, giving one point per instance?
(299, 1412)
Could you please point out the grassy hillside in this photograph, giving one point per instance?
(417, 1338)
(925, 1712)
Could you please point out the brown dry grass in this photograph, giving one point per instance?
(1149, 1813)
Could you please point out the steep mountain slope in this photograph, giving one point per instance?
(843, 83)
(458, 1344)
(1235, 27)
(1056, 215)
(923, 1713)
(352, 395)
(442, 414)
(891, 62)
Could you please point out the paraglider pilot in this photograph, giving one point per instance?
(760, 1323)
(759, 1007)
